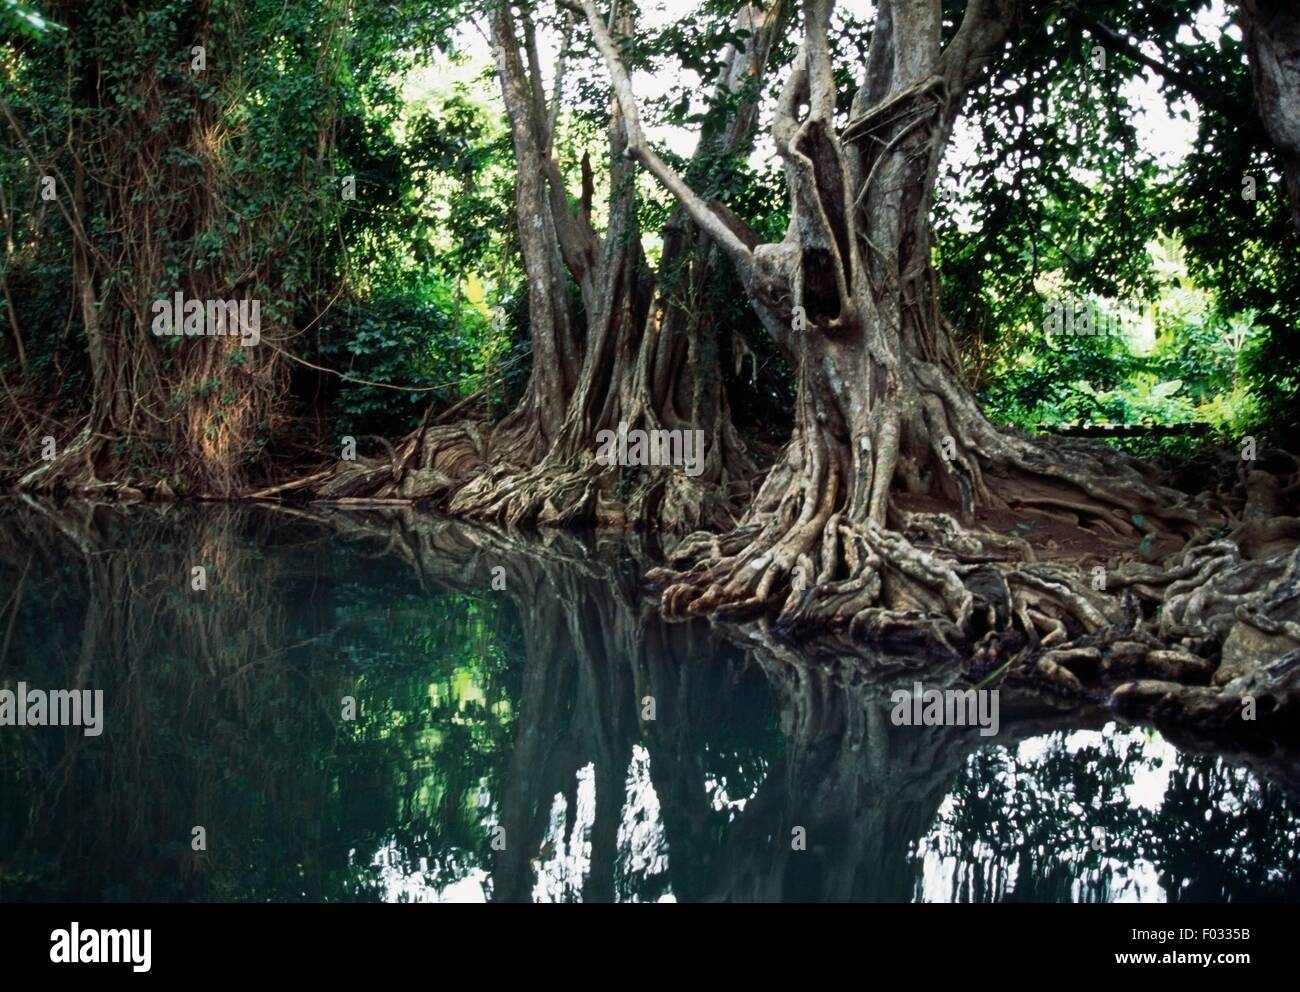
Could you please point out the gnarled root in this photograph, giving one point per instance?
(927, 580)
(431, 463)
(569, 492)
(878, 586)
(570, 487)
(1085, 483)
(547, 494)
(1222, 652)
(77, 470)
(1245, 611)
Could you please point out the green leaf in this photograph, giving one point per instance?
(1165, 389)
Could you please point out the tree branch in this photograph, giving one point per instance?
(533, 123)
(817, 52)
(557, 92)
(639, 149)
(984, 27)
(1204, 94)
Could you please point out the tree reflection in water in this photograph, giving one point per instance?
(503, 748)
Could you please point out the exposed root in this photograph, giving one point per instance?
(1221, 652)
(428, 464)
(497, 475)
(77, 470)
(929, 580)
(1085, 482)
(581, 492)
(878, 585)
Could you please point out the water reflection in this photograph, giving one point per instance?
(551, 741)
(1117, 816)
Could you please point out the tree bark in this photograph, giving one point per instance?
(647, 357)
(141, 192)
(852, 295)
(537, 421)
(1270, 32)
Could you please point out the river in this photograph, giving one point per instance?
(390, 706)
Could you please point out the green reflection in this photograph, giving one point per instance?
(501, 748)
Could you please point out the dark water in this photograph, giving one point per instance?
(503, 747)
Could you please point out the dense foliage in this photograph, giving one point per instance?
(1064, 200)
(358, 177)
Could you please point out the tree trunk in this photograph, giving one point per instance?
(142, 194)
(852, 295)
(538, 420)
(648, 358)
(1270, 32)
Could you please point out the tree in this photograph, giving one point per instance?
(648, 358)
(138, 174)
(876, 515)
(850, 295)
(188, 148)
(640, 353)
(1271, 35)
